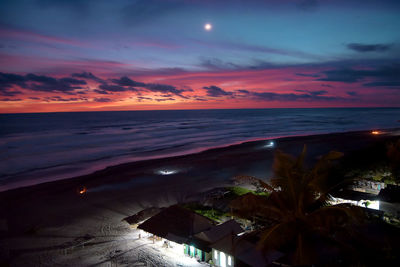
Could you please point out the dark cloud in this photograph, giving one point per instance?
(313, 93)
(61, 99)
(243, 91)
(217, 64)
(362, 48)
(7, 92)
(103, 92)
(382, 76)
(383, 84)
(86, 75)
(114, 88)
(102, 100)
(164, 99)
(215, 91)
(164, 88)
(10, 99)
(8, 81)
(351, 93)
(269, 96)
(305, 95)
(141, 98)
(343, 75)
(50, 84)
(38, 83)
(34, 98)
(307, 75)
(125, 81)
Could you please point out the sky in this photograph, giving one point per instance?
(91, 55)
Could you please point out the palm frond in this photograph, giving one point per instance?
(258, 183)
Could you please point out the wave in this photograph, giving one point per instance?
(67, 144)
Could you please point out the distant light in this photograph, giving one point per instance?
(376, 132)
(82, 190)
(167, 172)
(208, 27)
(270, 144)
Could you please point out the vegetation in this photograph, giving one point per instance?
(301, 220)
(209, 212)
(237, 191)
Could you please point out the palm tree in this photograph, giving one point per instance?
(296, 213)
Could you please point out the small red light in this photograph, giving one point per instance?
(82, 190)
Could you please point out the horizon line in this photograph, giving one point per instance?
(84, 111)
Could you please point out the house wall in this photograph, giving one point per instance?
(197, 253)
(222, 259)
(371, 204)
(372, 187)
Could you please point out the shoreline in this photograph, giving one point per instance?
(249, 146)
(195, 151)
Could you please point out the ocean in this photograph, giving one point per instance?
(42, 147)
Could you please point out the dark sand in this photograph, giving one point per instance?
(36, 220)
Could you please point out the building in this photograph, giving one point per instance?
(179, 226)
(242, 250)
(191, 234)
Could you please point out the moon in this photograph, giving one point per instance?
(208, 26)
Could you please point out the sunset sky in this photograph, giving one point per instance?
(61, 55)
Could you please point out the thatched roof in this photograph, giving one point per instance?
(219, 231)
(142, 215)
(179, 225)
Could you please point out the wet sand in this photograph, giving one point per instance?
(37, 221)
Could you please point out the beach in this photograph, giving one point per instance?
(37, 223)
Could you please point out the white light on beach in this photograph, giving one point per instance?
(167, 172)
(208, 26)
(270, 144)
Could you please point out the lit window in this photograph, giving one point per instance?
(222, 259)
(192, 250)
(215, 254)
(229, 260)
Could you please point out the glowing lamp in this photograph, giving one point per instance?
(375, 132)
(270, 144)
(166, 172)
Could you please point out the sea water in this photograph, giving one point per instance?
(40, 147)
